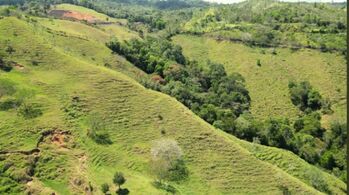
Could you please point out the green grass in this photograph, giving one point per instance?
(121, 32)
(268, 84)
(218, 163)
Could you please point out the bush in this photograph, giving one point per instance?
(164, 186)
(95, 132)
(9, 104)
(119, 179)
(304, 96)
(259, 63)
(105, 188)
(29, 111)
(5, 66)
(178, 171)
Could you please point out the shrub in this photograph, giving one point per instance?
(119, 179)
(95, 132)
(5, 66)
(9, 49)
(304, 96)
(259, 63)
(164, 186)
(9, 104)
(29, 110)
(105, 188)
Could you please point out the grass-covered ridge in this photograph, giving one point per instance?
(217, 163)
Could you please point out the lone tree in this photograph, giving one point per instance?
(119, 179)
(166, 160)
(105, 188)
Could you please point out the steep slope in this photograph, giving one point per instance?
(268, 84)
(218, 164)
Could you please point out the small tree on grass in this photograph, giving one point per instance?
(166, 160)
(119, 179)
(259, 63)
(105, 188)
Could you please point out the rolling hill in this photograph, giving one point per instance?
(65, 69)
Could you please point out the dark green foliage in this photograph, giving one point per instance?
(178, 172)
(5, 66)
(105, 188)
(164, 186)
(119, 179)
(304, 96)
(150, 55)
(246, 127)
(259, 63)
(311, 124)
(327, 160)
(9, 49)
(29, 110)
(9, 103)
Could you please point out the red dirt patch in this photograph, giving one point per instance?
(17, 66)
(66, 14)
(58, 139)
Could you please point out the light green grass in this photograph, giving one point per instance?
(268, 84)
(217, 162)
(121, 32)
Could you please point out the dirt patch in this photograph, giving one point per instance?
(59, 139)
(18, 66)
(73, 15)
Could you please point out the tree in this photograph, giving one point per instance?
(166, 160)
(105, 188)
(119, 179)
(304, 96)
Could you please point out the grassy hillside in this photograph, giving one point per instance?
(268, 84)
(68, 87)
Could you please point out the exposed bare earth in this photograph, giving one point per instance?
(74, 15)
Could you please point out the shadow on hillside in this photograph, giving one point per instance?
(123, 191)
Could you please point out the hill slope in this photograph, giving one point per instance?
(268, 84)
(69, 87)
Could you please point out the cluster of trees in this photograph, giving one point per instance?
(212, 94)
(150, 55)
(304, 136)
(305, 97)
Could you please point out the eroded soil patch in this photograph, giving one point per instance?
(73, 15)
